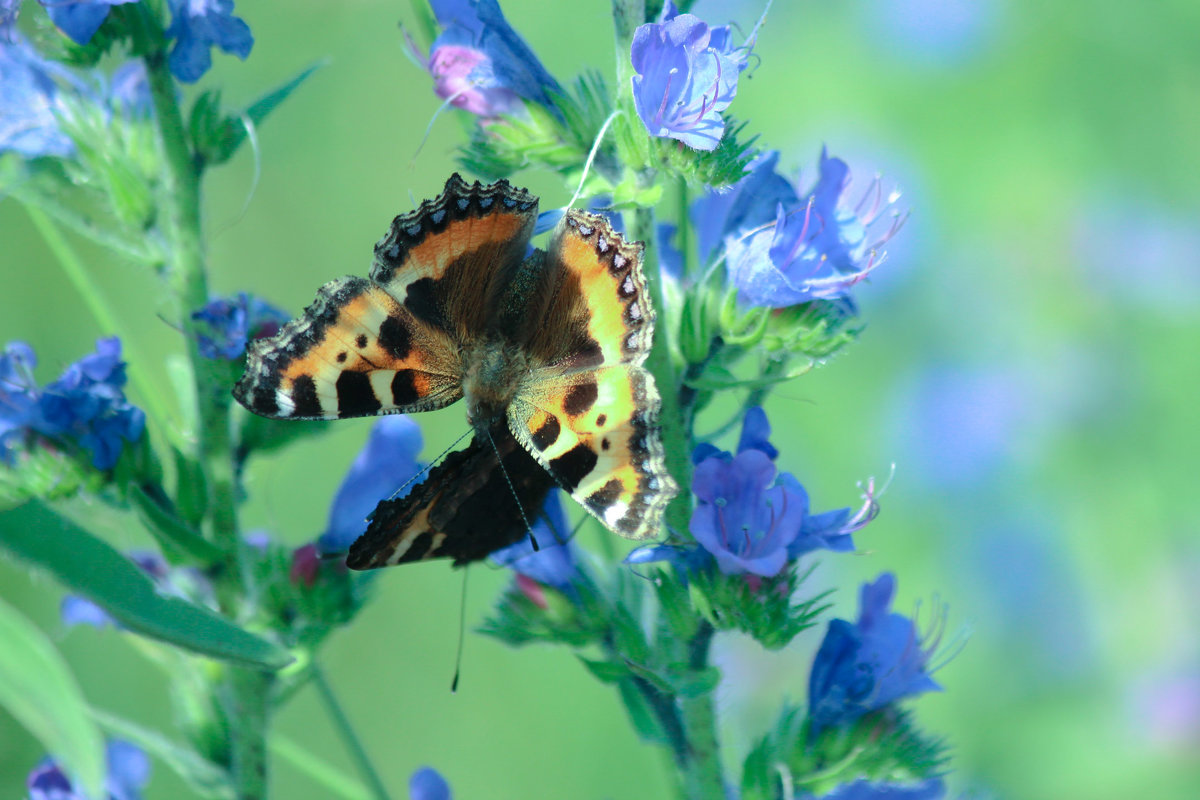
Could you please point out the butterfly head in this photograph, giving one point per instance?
(492, 376)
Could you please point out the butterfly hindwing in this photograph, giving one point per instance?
(590, 415)
(464, 510)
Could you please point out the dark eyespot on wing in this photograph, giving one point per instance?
(572, 466)
(395, 338)
(580, 398)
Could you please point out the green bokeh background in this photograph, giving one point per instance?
(1030, 366)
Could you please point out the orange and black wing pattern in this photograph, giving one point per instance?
(393, 343)
(590, 414)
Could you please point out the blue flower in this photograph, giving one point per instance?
(428, 784)
(199, 25)
(80, 19)
(932, 789)
(385, 464)
(481, 65)
(744, 517)
(553, 563)
(30, 101)
(750, 518)
(18, 396)
(86, 404)
(128, 774)
(865, 666)
(686, 76)
(235, 321)
(744, 207)
(815, 249)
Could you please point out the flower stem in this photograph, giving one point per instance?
(349, 737)
(245, 691)
(703, 776)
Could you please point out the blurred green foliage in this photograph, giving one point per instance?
(1029, 156)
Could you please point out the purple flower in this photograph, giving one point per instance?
(428, 784)
(30, 101)
(86, 404)
(384, 466)
(233, 322)
(686, 76)
(481, 65)
(745, 517)
(750, 518)
(815, 249)
(553, 563)
(863, 667)
(128, 774)
(80, 19)
(199, 25)
(932, 789)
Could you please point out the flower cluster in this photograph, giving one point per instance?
(86, 406)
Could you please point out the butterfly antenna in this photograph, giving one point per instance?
(587, 166)
(421, 472)
(513, 489)
(462, 627)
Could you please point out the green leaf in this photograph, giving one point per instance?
(39, 690)
(219, 143)
(205, 777)
(91, 567)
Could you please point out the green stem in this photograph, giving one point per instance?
(662, 366)
(627, 16)
(349, 737)
(703, 776)
(245, 691)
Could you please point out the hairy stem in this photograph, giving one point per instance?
(703, 776)
(244, 691)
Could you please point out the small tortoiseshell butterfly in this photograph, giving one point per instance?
(546, 349)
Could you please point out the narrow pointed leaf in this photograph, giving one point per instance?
(91, 567)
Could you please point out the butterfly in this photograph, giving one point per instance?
(547, 349)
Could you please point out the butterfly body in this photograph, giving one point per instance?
(546, 350)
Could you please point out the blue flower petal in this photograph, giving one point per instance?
(428, 784)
